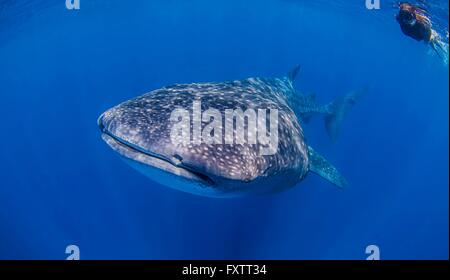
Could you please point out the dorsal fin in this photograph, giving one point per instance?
(293, 73)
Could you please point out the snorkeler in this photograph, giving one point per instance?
(415, 23)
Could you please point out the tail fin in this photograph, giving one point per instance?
(338, 109)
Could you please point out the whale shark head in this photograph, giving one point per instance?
(142, 129)
(139, 130)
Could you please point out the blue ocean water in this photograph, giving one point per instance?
(61, 184)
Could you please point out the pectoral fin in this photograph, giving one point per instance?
(319, 165)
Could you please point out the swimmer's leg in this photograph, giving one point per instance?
(439, 47)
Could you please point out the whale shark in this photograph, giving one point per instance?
(144, 131)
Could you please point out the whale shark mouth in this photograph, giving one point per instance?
(150, 159)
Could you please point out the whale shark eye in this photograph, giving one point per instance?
(177, 159)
